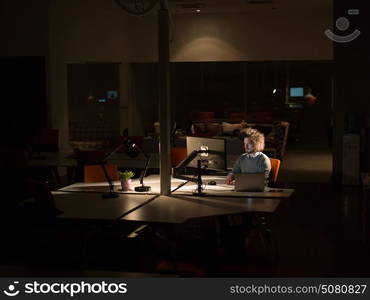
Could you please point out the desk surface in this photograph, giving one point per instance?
(180, 208)
(84, 201)
(221, 189)
(92, 206)
(100, 187)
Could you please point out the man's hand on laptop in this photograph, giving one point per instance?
(230, 179)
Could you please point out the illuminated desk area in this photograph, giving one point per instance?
(220, 189)
(180, 206)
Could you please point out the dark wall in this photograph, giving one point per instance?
(23, 98)
(351, 75)
(24, 28)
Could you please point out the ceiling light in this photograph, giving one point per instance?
(198, 10)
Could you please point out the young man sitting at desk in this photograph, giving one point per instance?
(253, 160)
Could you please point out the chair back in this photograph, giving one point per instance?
(85, 158)
(95, 173)
(275, 167)
(206, 116)
(178, 154)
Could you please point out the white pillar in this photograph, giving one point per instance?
(164, 99)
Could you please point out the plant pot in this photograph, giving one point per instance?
(126, 185)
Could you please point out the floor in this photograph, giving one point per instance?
(319, 227)
(306, 163)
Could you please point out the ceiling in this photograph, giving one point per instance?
(243, 6)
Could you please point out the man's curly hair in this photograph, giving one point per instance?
(257, 138)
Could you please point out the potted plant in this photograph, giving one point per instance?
(125, 178)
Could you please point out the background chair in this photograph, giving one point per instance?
(178, 154)
(84, 158)
(95, 173)
(275, 167)
(205, 116)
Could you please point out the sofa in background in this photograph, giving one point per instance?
(276, 135)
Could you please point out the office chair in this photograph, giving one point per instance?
(262, 232)
(178, 154)
(95, 173)
(275, 167)
(84, 158)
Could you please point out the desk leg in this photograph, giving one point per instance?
(71, 175)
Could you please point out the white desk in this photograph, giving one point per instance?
(225, 190)
(92, 206)
(180, 208)
(100, 187)
(221, 189)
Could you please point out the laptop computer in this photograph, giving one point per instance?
(249, 182)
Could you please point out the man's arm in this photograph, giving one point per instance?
(236, 169)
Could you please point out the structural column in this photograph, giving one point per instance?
(164, 98)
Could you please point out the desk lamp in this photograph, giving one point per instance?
(132, 150)
(143, 188)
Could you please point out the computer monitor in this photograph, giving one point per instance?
(209, 161)
(296, 92)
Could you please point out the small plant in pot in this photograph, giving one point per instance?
(125, 178)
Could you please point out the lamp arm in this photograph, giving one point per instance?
(111, 194)
(111, 186)
(111, 153)
(143, 173)
(147, 156)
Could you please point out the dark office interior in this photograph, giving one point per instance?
(79, 76)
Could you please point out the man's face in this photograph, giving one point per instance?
(249, 146)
